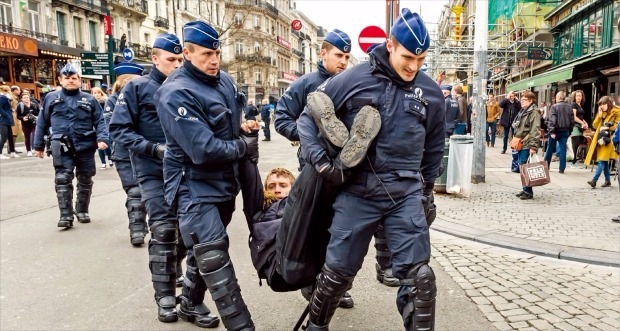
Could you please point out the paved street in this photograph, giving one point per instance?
(89, 277)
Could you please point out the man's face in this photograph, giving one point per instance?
(17, 92)
(511, 96)
(491, 97)
(25, 97)
(445, 93)
(279, 186)
(205, 59)
(405, 63)
(70, 82)
(335, 60)
(166, 62)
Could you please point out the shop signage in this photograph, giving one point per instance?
(570, 11)
(288, 76)
(540, 53)
(107, 25)
(260, 90)
(95, 63)
(17, 44)
(296, 25)
(284, 43)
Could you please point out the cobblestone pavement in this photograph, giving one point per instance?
(519, 291)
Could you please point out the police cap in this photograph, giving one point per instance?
(124, 68)
(202, 34)
(446, 88)
(339, 39)
(410, 31)
(168, 42)
(69, 70)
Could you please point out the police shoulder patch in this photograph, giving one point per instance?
(182, 111)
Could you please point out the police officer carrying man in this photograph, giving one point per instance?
(395, 182)
(136, 211)
(136, 127)
(77, 130)
(452, 110)
(201, 110)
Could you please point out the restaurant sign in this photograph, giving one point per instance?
(17, 44)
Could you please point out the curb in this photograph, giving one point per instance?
(584, 255)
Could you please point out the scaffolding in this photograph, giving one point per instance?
(451, 59)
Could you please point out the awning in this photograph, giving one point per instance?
(61, 49)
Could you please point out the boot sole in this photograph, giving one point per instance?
(168, 319)
(322, 111)
(65, 224)
(192, 319)
(366, 125)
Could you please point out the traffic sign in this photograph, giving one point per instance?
(94, 56)
(296, 25)
(369, 36)
(128, 54)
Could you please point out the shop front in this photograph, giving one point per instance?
(18, 55)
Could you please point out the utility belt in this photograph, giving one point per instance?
(60, 143)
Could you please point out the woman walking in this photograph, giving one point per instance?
(27, 112)
(101, 97)
(526, 126)
(580, 124)
(605, 123)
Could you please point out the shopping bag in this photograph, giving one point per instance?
(535, 173)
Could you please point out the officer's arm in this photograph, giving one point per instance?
(124, 119)
(288, 110)
(192, 131)
(42, 124)
(99, 122)
(434, 141)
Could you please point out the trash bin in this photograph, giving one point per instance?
(460, 160)
(440, 182)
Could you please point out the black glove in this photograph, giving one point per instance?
(331, 173)
(251, 145)
(160, 149)
(430, 210)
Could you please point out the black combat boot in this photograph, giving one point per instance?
(162, 257)
(64, 193)
(191, 303)
(84, 190)
(384, 259)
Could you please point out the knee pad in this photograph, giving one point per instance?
(163, 233)
(330, 286)
(134, 193)
(419, 312)
(84, 180)
(63, 179)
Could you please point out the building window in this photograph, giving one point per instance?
(258, 76)
(6, 15)
(616, 31)
(129, 33)
(5, 75)
(595, 29)
(33, 15)
(61, 21)
(44, 72)
(77, 26)
(92, 31)
(23, 70)
(239, 47)
(256, 47)
(217, 14)
(256, 21)
(156, 8)
(166, 8)
(147, 38)
(238, 19)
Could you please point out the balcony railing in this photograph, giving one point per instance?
(253, 58)
(94, 48)
(139, 50)
(298, 53)
(161, 22)
(139, 6)
(48, 38)
(98, 6)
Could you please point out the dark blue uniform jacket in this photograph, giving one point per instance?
(119, 153)
(75, 114)
(136, 126)
(452, 114)
(410, 144)
(293, 102)
(201, 115)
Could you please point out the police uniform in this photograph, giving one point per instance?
(392, 185)
(201, 115)
(136, 210)
(76, 123)
(293, 101)
(452, 112)
(136, 127)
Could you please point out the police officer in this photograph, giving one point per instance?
(77, 128)
(265, 115)
(251, 111)
(136, 127)
(452, 110)
(201, 110)
(394, 183)
(136, 211)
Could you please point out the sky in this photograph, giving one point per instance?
(352, 16)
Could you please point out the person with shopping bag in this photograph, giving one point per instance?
(526, 138)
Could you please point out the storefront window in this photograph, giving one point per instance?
(616, 26)
(567, 45)
(22, 70)
(586, 43)
(44, 72)
(5, 74)
(596, 31)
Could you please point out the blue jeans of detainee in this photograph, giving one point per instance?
(524, 155)
(561, 138)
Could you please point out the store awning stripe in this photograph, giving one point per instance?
(542, 79)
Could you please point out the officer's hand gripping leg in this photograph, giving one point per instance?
(419, 313)
(162, 262)
(64, 193)
(330, 287)
(136, 212)
(218, 273)
(84, 190)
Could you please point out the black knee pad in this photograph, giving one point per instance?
(134, 193)
(419, 313)
(164, 233)
(84, 180)
(63, 179)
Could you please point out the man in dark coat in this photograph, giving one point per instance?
(510, 108)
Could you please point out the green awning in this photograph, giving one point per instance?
(553, 76)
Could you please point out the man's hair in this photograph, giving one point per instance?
(529, 95)
(491, 93)
(458, 89)
(327, 46)
(561, 95)
(15, 87)
(606, 100)
(280, 172)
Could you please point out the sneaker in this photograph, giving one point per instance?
(29, 153)
(322, 111)
(616, 219)
(267, 139)
(526, 196)
(103, 166)
(518, 195)
(576, 166)
(366, 125)
(13, 155)
(111, 163)
(4, 157)
(606, 184)
(592, 183)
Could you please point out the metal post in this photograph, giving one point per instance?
(481, 34)
(111, 52)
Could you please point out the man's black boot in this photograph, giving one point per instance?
(162, 263)
(136, 212)
(84, 190)
(64, 193)
(191, 303)
(385, 276)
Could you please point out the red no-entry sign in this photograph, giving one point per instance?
(369, 36)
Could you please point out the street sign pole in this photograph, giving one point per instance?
(481, 36)
(110, 51)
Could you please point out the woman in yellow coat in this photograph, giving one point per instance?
(605, 123)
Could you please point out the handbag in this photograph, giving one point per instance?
(516, 143)
(535, 173)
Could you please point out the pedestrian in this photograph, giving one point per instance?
(102, 98)
(452, 110)
(526, 126)
(492, 115)
(265, 115)
(75, 125)
(251, 111)
(136, 211)
(605, 122)
(6, 121)
(394, 182)
(123, 43)
(201, 112)
(510, 108)
(580, 125)
(27, 112)
(461, 100)
(135, 126)
(559, 125)
(334, 59)
(12, 134)
(616, 141)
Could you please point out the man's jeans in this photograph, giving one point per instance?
(493, 127)
(561, 138)
(506, 131)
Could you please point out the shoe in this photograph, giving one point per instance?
(526, 196)
(29, 154)
(592, 183)
(65, 221)
(4, 157)
(385, 276)
(83, 217)
(488, 144)
(267, 139)
(15, 156)
(366, 125)
(103, 166)
(555, 159)
(179, 281)
(198, 314)
(561, 171)
(346, 301)
(137, 238)
(616, 219)
(606, 184)
(492, 145)
(504, 152)
(167, 309)
(322, 110)
(111, 163)
(518, 195)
